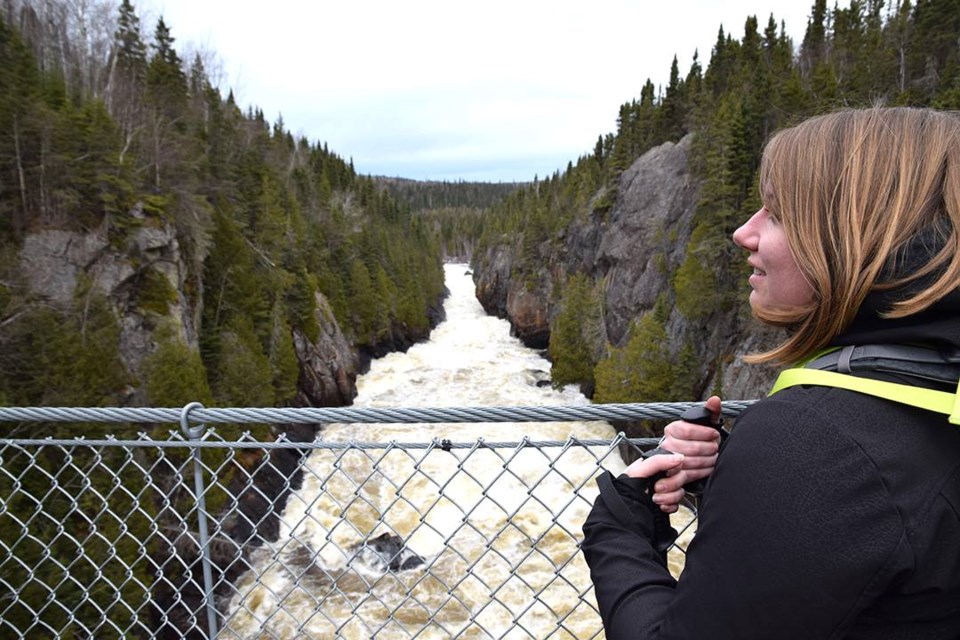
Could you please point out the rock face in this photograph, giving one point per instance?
(530, 316)
(633, 251)
(493, 281)
(328, 367)
(648, 229)
(58, 265)
(527, 308)
(54, 263)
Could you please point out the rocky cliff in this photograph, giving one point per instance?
(149, 282)
(634, 250)
(53, 263)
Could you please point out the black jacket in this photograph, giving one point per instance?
(830, 514)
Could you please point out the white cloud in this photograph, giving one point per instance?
(442, 89)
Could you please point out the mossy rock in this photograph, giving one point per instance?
(154, 293)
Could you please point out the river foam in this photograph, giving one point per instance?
(497, 528)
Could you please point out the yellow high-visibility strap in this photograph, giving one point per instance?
(929, 399)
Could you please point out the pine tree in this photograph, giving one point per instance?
(935, 59)
(642, 371)
(284, 366)
(693, 86)
(575, 335)
(19, 148)
(128, 73)
(366, 311)
(899, 35)
(244, 376)
(131, 53)
(166, 93)
(174, 373)
(813, 48)
(673, 111)
(722, 65)
(165, 77)
(695, 281)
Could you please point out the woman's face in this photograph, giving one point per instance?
(776, 280)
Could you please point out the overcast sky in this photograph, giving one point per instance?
(499, 90)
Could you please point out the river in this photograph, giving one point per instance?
(496, 529)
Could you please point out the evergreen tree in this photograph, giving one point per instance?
(131, 52)
(244, 375)
(19, 148)
(673, 111)
(693, 86)
(642, 371)
(813, 48)
(366, 310)
(849, 44)
(722, 65)
(284, 366)
(174, 373)
(128, 72)
(695, 282)
(935, 55)
(166, 93)
(575, 335)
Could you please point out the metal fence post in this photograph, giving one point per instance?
(195, 434)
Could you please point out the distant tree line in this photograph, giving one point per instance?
(453, 210)
(866, 53)
(441, 194)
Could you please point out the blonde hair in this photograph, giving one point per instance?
(851, 189)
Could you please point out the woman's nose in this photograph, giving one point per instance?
(746, 235)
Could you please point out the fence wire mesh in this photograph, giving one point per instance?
(105, 538)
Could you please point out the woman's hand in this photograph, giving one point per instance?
(697, 446)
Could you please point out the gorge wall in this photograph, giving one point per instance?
(633, 252)
(65, 269)
(53, 263)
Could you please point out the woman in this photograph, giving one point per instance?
(829, 513)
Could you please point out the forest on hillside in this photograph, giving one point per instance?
(445, 194)
(206, 234)
(104, 129)
(454, 210)
(869, 52)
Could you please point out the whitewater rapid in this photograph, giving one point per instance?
(496, 529)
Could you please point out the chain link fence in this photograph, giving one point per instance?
(196, 534)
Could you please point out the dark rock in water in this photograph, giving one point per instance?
(386, 553)
(539, 377)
